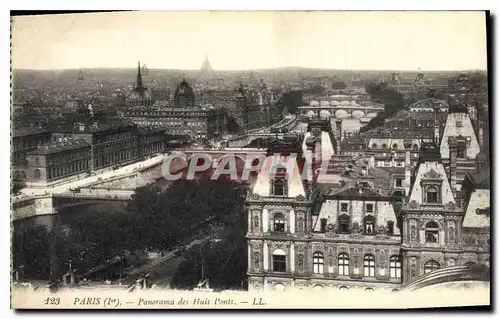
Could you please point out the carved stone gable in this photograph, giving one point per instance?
(432, 174)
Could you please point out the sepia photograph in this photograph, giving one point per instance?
(250, 160)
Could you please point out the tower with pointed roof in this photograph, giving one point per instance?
(140, 95)
(80, 76)
(431, 219)
(206, 68)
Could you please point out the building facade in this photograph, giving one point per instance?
(434, 227)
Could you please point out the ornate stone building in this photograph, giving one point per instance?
(346, 240)
(434, 227)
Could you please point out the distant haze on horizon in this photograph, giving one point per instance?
(238, 41)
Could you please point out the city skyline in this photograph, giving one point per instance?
(238, 41)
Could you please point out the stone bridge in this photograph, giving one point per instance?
(52, 204)
(451, 276)
(340, 111)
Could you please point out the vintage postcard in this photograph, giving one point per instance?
(251, 159)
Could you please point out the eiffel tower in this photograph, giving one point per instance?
(206, 68)
(80, 76)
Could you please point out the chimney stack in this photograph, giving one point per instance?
(407, 181)
(453, 145)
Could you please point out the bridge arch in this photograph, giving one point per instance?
(358, 114)
(341, 114)
(451, 275)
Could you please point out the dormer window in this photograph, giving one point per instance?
(461, 153)
(279, 188)
(344, 222)
(390, 227)
(432, 195)
(369, 208)
(344, 207)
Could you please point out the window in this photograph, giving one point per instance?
(369, 222)
(374, 146)
(432, 195)
(318, 262)
(398, 182)
(390, 227)
(323, 225)
(279, 222)
(37, 173)
(395, 267)
(387, 163)
(415, 147)
(458, 123)
(470, 263)
(384, 146)
(279, 260)
(369, 289)
(430, 266)
(461, 153)
(344, 224)
(343, 264)
(369, 208)
(344, 207)
(432, 233)
(279, 187)
(343, 288)
(369, 266)
(394, 146)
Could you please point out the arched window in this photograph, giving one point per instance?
(394, 146)
(384, 146)
(279, 222)
(430, 266)
(279, 260)
(432, 233)
(344, 222)
(374, 145)
(395, 267)
(37, 173)
(369, 266)
(279, 187)
(415, 147)
(369, 224)
(343, 264)
(318, 263)
(432, 195)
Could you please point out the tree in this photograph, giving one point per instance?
(31, 252)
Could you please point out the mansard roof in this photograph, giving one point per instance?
(358, 193)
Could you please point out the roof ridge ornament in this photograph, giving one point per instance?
(432, 174)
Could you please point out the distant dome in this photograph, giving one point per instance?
(312, 103)
(184, 89)
(324, 114)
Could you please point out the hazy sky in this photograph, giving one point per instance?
(252, 40)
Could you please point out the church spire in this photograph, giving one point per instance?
(139, 84)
